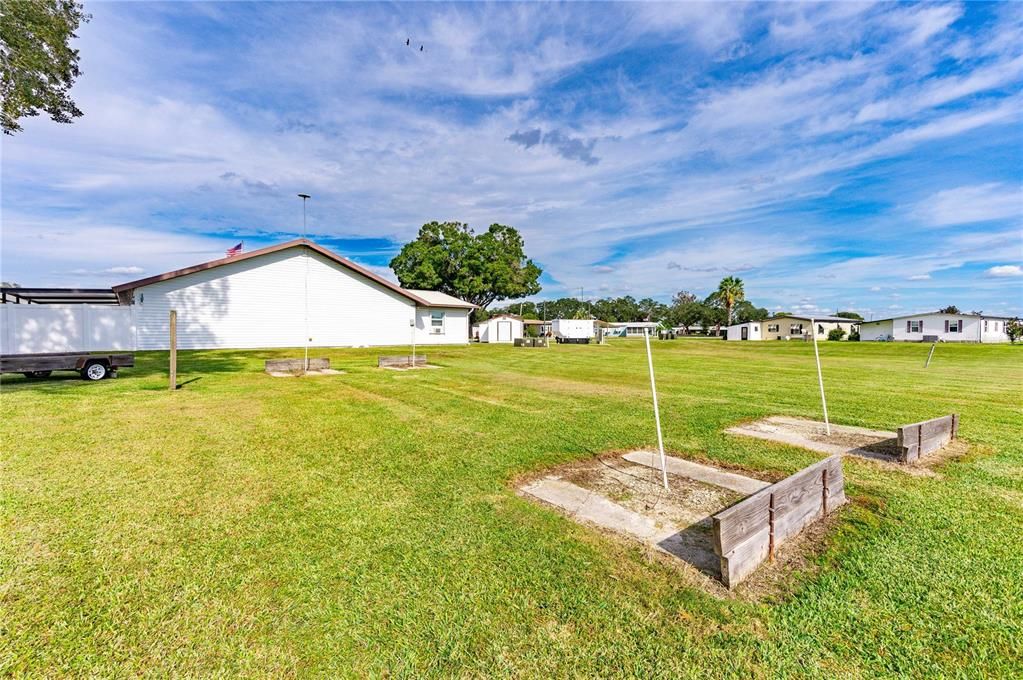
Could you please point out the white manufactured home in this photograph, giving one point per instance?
(633, 329)
(937, 327)
(790, 327)
(286, 296)
(503, 328)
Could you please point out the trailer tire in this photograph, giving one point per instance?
(33, 375)
(95, 370)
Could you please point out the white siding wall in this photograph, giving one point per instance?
(995, 330)
(260, 302)
(934, 324)
(873, 330)
(456, 327)
(573, 328)
(41, 329)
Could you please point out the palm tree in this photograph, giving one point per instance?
(729, 293)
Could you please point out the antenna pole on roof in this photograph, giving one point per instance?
(306, 197)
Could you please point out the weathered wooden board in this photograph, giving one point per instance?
(920, 439)
(400, 361)
(736, 524)
(744, 558)
(748, 532)
(291, 365)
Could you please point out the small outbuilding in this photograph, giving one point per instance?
(503, 328)
(744, 331)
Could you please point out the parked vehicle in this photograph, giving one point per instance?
(91, 366)
(92, 340)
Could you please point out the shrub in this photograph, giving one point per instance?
(854, 336)
(836, 334)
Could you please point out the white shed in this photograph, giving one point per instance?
(744, 331)
(272, 296)
(504, 328)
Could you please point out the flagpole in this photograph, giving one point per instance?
(305, 197)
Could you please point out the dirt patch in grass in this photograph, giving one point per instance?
(628, 501)
(877, 445)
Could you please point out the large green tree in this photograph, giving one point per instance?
(37, 64)
(479, 268)
(730, 291)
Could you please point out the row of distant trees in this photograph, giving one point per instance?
(727, 304)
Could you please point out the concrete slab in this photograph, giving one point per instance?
(701, 473)
(810, 434)
(302, 374)
(408, 368)
(596, 508)
(692, 543)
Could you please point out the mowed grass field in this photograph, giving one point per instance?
(365, 524)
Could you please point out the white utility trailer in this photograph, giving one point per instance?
(579, 331)
(94, 340)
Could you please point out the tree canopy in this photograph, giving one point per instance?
(951, 309)
(850, 315)
(730, 291)
(479, 268)
(37, 64)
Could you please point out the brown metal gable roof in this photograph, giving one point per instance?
(296, 243)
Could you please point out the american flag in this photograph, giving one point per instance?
(231, 252)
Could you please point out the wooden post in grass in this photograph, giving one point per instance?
(657, 411)
(930, 354)
(173, 349)
(820, 378)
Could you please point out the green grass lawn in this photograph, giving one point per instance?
(364, 524)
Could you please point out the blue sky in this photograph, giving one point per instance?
(835, 156)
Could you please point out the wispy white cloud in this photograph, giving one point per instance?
(659, 152)
(976, 203)
(1005, 271)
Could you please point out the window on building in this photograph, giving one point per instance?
(996, 326)
(985, 325)
(914, 326)
(773, 328)
(820, 329)
(796, 329)
(954, 326)
(437, 323)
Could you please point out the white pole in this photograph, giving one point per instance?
(412, 330)
(820, 378)
(305, 197)
(657, 411)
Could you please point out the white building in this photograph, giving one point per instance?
(504, 328)
(284, 296)
(937, 327)
(744, 331)
(633, 329)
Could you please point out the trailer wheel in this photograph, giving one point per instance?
(32, 375)
(95, 370)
